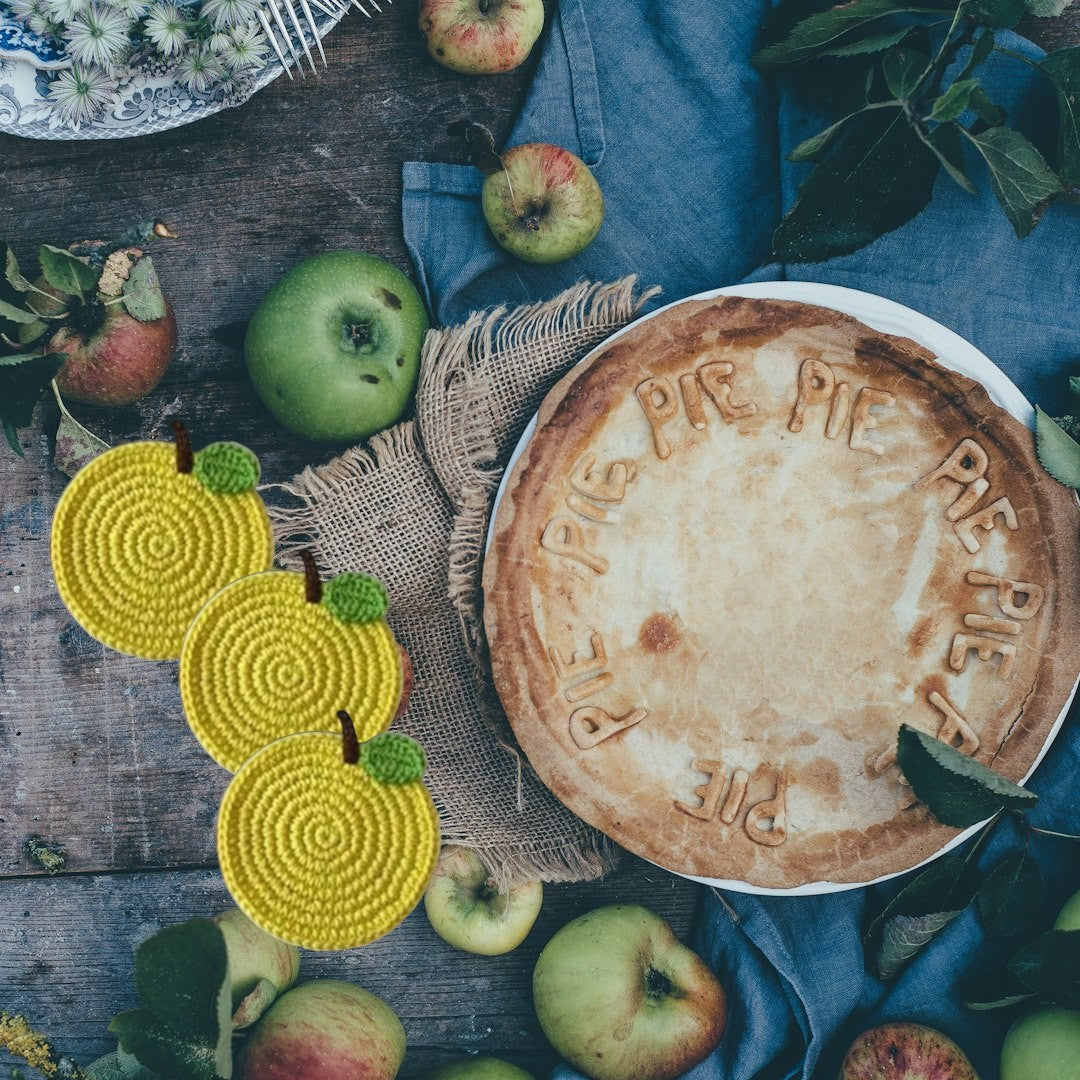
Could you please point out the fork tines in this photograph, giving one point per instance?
(289, 31)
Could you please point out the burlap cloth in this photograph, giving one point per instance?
(412, 508)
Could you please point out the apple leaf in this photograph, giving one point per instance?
(878, 177)
(904, 70)
(1021, 180)
(119, 1066)
(947, 143)
(142, 293)
(12, 274)
(1059, 452)
(23, 378)
(1074, 385)
(66, 272)
(1050, 966)
(184, 1030)
(915, 914)
(872, 43)
(995, 989)
(1011, 896)
(169, 1054)
(954, 101)
(997, 13)
(13, 314)
(1063, 69)
(983, 47)
(985, 109)
(823, 30)
(75, 445)
(957, 790)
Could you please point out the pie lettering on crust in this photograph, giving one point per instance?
(746, 542)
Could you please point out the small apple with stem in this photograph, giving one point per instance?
(325, 1029)
(480, 37)
(468, 910)
(543, 204)
(621, 998)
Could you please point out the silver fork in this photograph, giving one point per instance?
(286, 37)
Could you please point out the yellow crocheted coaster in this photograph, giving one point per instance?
(138, 546)
(265, 659)
(319, 852)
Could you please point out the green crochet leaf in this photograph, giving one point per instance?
(391, 758)
(227, 468)
(355, 598)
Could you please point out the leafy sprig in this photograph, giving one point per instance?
(891, 61)
(961, 792)
(1057, 441)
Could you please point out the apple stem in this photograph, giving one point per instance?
(350, 745)
(312, 584)
(185, 459)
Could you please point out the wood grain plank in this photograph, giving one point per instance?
(66, 948)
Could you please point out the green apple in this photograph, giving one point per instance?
(905, 1051)
(1043, 1045)
(466, 909)
(479, 1068)
(261, 966)
(1069, 915)
(324, 1030)
(333, 349)
(621, 998)
(543, 205)
(480, 37)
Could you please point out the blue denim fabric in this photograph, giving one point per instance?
(688, 144)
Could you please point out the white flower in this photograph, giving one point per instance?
(225, 13)
(64, 10)
(80, 94)
(99, 36)
(198, 71)
(133, 9)
(25, 10)
(246, 48)
(167, 28)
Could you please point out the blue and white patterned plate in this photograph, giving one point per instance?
(146, 103)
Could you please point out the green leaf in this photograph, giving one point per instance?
(947, 143)
(954, 101)
(1074, 385)
(919, 911)
(119, 1066)
(1046, 9)
(169, 1054)
(1050, 966)
(872, 43)
(1059, 453)
(143, 297)
(12, 274)
(182, 977)
(11, 313)
(1063, 69)
(904, 70)
(1011, 896)
(995, 989)
(1021, 180)
(985, 109)
(997, 13)
(957, 790)
(75, 445)
(982, 48)
(822, 31)
(67, 272)
(23, 378)
(879, 176)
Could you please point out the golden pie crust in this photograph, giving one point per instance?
(747, 541)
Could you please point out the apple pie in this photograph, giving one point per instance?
(747, 541)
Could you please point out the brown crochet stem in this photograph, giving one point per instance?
(185, 459)
(312, 584)
(350, 745)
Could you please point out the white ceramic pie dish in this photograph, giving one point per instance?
(953, 352)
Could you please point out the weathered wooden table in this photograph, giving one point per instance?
(94, 753)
